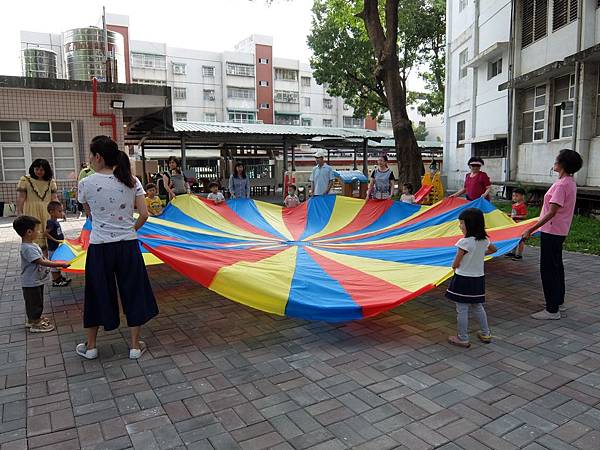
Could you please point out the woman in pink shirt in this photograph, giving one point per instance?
(477, 183)
(554, 223)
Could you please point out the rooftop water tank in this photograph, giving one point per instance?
(39, 63)
(85, 55)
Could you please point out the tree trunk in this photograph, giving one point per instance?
(385, 46)
(408, 155)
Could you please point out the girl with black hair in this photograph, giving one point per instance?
(34, 192)
(114, 258)
(554, 224)
(174, 180)
(467, 287)
(239, 184)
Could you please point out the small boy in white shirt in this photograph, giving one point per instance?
(215, 195)
(292, 200)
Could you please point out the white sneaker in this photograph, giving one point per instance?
(86, 353)
(136, 353)
(545, 315)
(562, 308)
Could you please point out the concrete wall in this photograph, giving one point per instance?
(555, 47)
(46, 105)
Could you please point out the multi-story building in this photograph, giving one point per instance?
(247, 85)
(522, 83)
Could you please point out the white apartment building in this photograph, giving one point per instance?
(247, 85)
(522, 83)
(228, 86)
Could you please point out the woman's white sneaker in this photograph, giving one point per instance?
(545, 315)
(86, 353)
(136, 353)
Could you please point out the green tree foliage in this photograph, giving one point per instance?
(365, 49)
(421, 133)
(344, 57)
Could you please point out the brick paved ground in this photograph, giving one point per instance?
(219, 375)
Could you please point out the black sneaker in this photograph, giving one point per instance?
(510, 255)
(517, 257)
(61, 282)
(67, 280)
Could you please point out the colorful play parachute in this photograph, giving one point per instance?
(333, 258)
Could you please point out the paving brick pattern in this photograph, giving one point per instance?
(222, 376)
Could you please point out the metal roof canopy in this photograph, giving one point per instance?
(228, 135)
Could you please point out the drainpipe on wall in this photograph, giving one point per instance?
(95, 113)
(581, 147)
(448, 92)
(508, 172)
(475, 78)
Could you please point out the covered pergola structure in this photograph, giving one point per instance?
(243, 140)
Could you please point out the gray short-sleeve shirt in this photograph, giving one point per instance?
(32, 274)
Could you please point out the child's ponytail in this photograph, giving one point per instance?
(123, 170)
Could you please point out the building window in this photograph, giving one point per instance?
(264, 106)
(385, 123)
(263, 83)
(152, 82)
(263, 60)
(179, 69)
(462, 63)
(242, 116)
(491, 149)
(353, 122)
(306, 102)
(210, 117)
(180, 116)
(208, 71)
(563, 12)
(209, 95)
(60, 152)
(286, 119)
(148, 61)
(533, 107)
(494, 68)
(327, 103)
(534, 21)
(48, 140)
(12, 157)
(179, 93)
(286, 97)
(240, 70)
(462, 4)
(244, 93)
(10, 131)
(306, 122)
(564, 94)
(306, 80)
(50, 132)
(286, 74)
(460, 133)
(328, 123)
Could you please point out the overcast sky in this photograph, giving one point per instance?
(214, 25)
